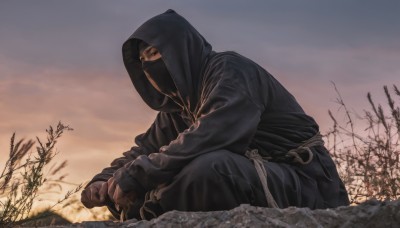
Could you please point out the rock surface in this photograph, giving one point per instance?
(368, 214)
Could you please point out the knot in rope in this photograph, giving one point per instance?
(304, 148)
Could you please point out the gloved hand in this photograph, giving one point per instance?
(94, 195)
(121, 199)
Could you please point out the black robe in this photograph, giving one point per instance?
(228, 103)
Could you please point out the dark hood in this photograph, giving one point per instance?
(184, 52)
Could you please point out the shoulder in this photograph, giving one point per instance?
(231, 64)
(230, 70)
(229, 59)
(235, 69)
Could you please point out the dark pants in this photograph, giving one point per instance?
(222, 180)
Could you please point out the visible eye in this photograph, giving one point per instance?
(153, 52)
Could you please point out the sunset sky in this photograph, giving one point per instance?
(61, 60)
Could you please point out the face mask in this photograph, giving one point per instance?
(158, 75)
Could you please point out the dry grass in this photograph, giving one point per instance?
(368, 161)
(23, 177)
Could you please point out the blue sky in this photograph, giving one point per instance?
(61, 60)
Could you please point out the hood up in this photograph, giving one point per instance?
(184, 52)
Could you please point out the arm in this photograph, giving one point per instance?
(165, 128)
(227, 120)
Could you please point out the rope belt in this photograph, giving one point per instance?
(258, 162)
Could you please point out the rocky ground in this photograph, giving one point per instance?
(369, 214)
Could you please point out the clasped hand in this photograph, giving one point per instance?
(95, 194)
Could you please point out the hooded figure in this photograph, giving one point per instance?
(227, 133)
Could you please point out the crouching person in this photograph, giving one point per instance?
(227, 133)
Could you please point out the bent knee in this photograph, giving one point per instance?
(214, 164)
(214, 160)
